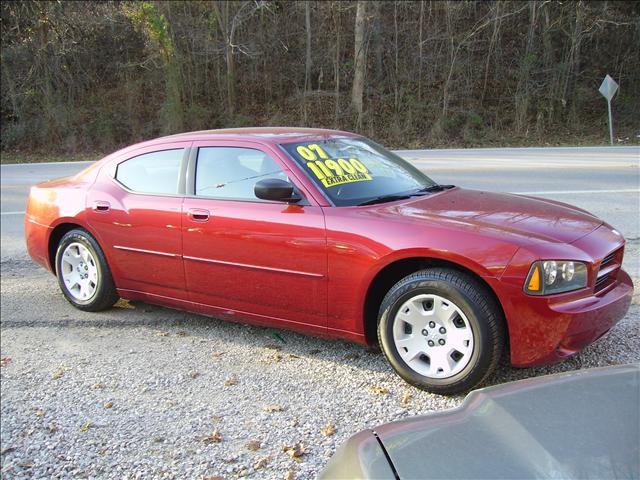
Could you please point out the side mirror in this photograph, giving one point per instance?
(277, 190)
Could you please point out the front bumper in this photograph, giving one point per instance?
(545, 330)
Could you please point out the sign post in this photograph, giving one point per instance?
(608, 89)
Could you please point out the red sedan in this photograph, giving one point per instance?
(327, 233)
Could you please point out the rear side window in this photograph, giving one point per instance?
(156, 172)
(232, 172)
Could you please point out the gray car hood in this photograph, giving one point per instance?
(582, 424)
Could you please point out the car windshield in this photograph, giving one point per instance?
(356, 171)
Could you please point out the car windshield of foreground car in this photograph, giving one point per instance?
(355, 171)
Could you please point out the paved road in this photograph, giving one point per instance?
(603, 180)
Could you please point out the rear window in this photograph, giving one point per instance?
(155, 172)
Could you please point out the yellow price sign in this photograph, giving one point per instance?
(332, 172)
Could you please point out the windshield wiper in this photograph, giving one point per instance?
(434, 188)
(384, 198)
(393, 197)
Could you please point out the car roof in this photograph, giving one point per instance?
(268, 134)
(271, 135)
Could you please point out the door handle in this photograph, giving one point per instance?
(198, 214)
(101, 206)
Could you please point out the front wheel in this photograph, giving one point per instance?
(441, 330)
(83, 273)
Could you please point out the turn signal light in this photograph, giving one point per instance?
(534, 280)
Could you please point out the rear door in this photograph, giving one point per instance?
(243, 255)
(135, 209)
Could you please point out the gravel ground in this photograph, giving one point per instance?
(146, 392)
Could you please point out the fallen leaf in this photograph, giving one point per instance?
(378, 390)
(261, 463)
(351, 356)
(124, 304)
(328, 430)
(4, 361)
(215, 437)
(273, 358)
(162, 334)
(59, 372)
(108, 405)
(181, 334)
(406, 396)
(295, 451)
(289, 475)
(53, 428)
(193, 374)
(231, 381)
(253, 445)
(7, 450)
(273, 408)
(86, 427)
(39, 413)
(293, 355)
(217, 354)
(97, 386)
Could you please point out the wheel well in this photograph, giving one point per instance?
(58, 232)
(392, 274)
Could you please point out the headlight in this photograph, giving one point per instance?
(555, 276)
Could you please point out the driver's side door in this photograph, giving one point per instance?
(249, 258)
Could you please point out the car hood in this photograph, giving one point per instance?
(501, 212)
(581, 424)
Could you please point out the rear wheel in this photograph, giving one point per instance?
(83, 273)
(441, 330)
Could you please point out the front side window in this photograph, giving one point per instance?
(232, 172)
(353, 171)
(156, 172)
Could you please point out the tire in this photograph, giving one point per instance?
(441, 330)
(83, 274)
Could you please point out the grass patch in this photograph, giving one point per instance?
(41, 157)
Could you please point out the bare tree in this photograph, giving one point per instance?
(229, 22)
(359, 61)
(307, 63)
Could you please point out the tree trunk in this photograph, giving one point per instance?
(336, 112)
(359, 60)
(526, 66)
(396, 83)
(377, 42)
(495, 37)
(420, 22)
(222, 15)
(307, 64)
(452, 55)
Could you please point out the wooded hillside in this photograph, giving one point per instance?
(93, 76)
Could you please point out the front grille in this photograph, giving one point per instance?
(601, 281)
(608, 259)
(608, 270)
